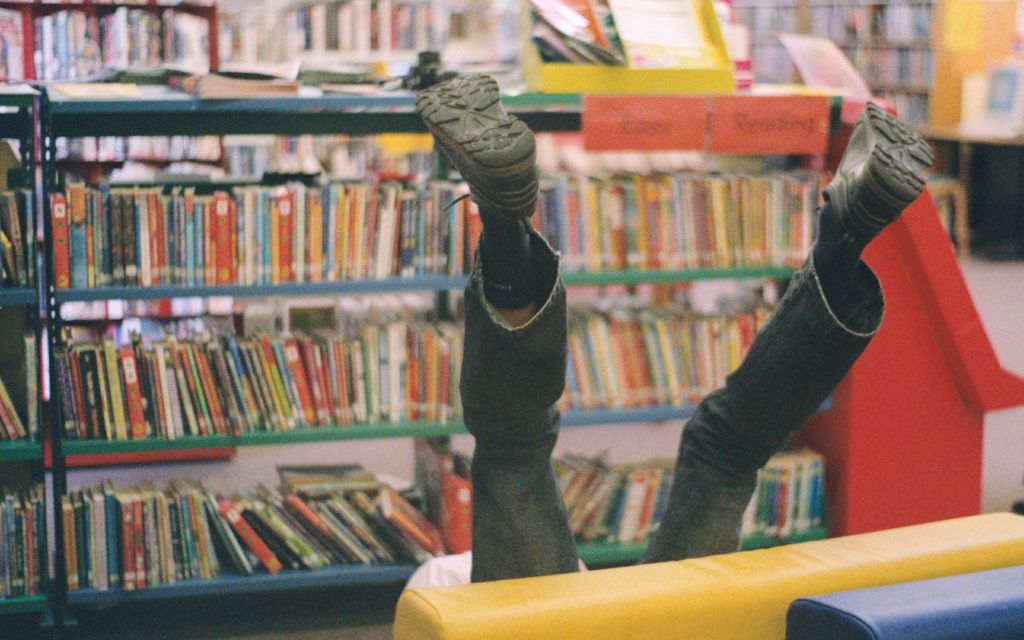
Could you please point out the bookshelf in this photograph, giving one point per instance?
(21, 459)
(890, 42)
(164, 112)
(43, 23)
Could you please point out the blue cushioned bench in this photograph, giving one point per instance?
(987, 605)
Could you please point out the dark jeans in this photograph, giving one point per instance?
(512, 377)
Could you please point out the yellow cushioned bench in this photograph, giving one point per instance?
(737, 596)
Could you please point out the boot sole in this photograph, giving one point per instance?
(890, 178)
(491, 145)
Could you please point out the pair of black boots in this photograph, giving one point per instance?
(880, 174)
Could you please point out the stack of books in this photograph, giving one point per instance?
(626, 503)
(790, 496)
(23, 546)
(215, 383)
(141, 536)
(17, 239)
(613, 503)
(653, 357)
(19, 396)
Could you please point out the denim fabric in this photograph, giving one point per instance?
(512, 377)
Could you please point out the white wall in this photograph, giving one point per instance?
(998, 292)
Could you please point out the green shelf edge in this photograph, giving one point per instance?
(18, 450)
(687, 275)
(258, 438)
(23, 604)
(607, 553)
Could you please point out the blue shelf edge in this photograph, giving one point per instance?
(18, 297)
(336, 576)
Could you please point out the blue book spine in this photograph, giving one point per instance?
(103, 210)
(261, 238)
(5, 550)
(190, 247)
(200, 244)
(330, 221)
(79, 263)
(87, 537)
(421, 241)
(113, 541)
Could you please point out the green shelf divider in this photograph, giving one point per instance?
(611, 553)
(654, 277)
(98, 447)
(22, 604)
(16, 450)
(763, 542)
(353, 432)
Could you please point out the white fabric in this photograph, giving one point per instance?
(443, 571)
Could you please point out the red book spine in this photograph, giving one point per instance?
(128, 546)
(294, 362)
(286, 209)
(133, 393)
(76, 383)
(248, 535)
(222, 236)
(234, 240)
(61, 241)
(313, 377)
(458, 511)
(155, 237)
(140, 544)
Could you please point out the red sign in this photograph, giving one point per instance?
(644, 123)
(765, 125)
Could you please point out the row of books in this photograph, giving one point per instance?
(361, 27)
(17, 239)
(340, 157)
(653, 357)
(790, 496)
(893, 22)
(19, 395)
(893, 66)
(23, 546)
(626, 502)
(613, 503)
(680, 220)
(73, 44)
(135, 537)
(912, 107)
(141, 148)
(221, 384)
(254, 235)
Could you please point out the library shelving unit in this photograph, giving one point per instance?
(19, 106)
(32, 10)
(164, 112)
(888, 41)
